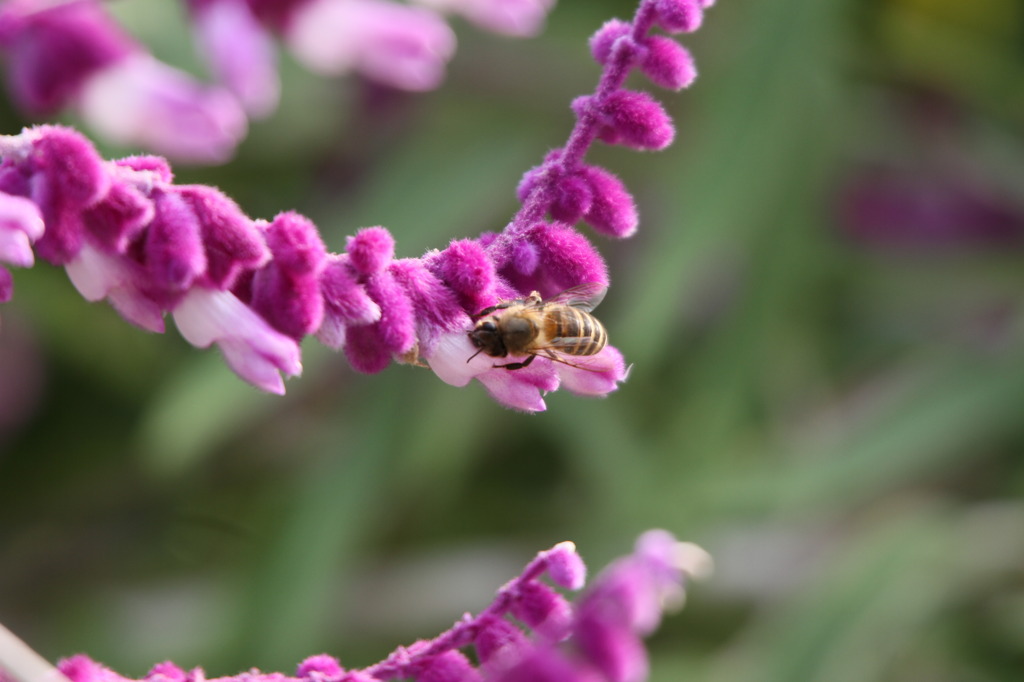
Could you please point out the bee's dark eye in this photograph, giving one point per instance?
(488, 327)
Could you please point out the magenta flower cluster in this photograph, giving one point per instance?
(73, 54)
(127, 233)
(529, 633)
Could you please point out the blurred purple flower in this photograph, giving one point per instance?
(397, 45)
(72, 54)
(240, 52)
(140, 101)
(522, 18)
(892, 209)
(599, 639)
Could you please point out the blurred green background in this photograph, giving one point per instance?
(824, 307)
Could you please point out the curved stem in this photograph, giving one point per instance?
(19, 662)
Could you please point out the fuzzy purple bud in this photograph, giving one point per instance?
(63, 237)
(466, 268)
(543, 609)
(173, 249)
(157, 165)
(630, 118)
(345, 302)
(681, 16)
(450, 666)
(287, 291)
(566, 258)
(565, 566)
(370, 250)
(370, 348)
(574, 198)
(613, 211)
(119, 217)
(603, 40)
(499, 644)
(232, 242)
(321, 664)
(538, 175)
(525, 258)
(70, 162)
(68, 175)
(81, 668)
(397, 325)
(296, 245)
(165, 672)
(435, 307)
(668, 64)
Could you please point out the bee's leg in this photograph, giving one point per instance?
(487, 311)
(517, 365)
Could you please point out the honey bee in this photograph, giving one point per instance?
(560, 328)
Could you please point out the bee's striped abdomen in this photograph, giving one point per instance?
(586, 333)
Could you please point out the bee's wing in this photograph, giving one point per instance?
(556, 350)
(584, 297)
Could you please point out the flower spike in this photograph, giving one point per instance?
(125, 232)
(598, 638)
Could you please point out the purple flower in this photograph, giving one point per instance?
(53, 48)
(601, 634)
(511, 17)
(142, 101)
(72, 54)
(397, 45)
(240, 52)
(926, 210)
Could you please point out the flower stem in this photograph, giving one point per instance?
(20, 663)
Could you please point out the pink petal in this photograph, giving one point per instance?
(597, 375)
(251, 347)
(241, 54)
(20, 225)
(141, 101)
(98, 275)
(404, 47)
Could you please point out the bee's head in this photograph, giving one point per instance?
(487, 337)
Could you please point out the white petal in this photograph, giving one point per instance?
(97, 275)
(252, 348)
(22, 215)
(15, 248)
(451, 359)
(94, 273)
